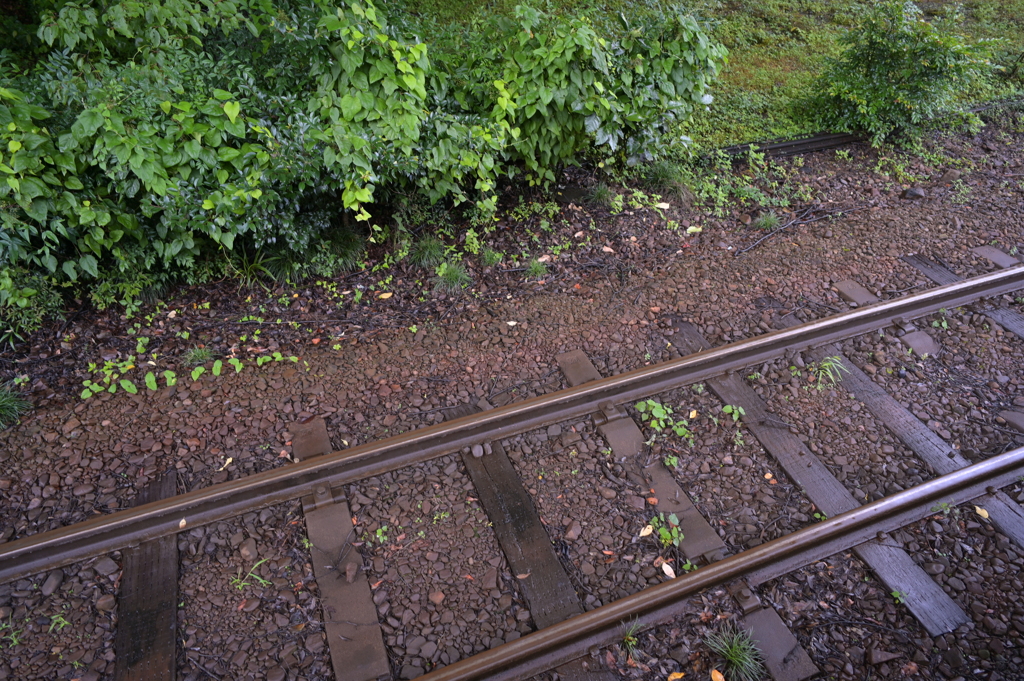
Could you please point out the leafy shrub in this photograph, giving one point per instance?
(26, 299)
(139, 145)
(897, 72)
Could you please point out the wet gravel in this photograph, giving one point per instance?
(249, 603)
(387, 365)
(442, 586)
(60, 624)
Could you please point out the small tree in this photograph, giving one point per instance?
(897, 73)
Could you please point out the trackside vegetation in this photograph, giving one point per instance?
(150, 144)
(143, 143)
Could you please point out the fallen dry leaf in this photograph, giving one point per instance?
(607, 249)
(982, 512)
(717, 675)
(523, 576)
(385, 296)
(181, 524)
(693, 414)
(768, 476)
(653, 501)
(662, 206)
(675, 676)
(646, 531)
(667, 569)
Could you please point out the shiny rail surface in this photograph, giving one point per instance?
(103, 534)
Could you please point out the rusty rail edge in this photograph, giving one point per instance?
(535, 652)
(102, 534)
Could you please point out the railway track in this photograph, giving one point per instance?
(546, 614)
(823, 141)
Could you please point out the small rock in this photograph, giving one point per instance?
(276, 674)
(951, 175)
(53, 582)
(71, 425)
(607, 493)
(105, 566)
(81, 490)
(436, 597)
(934, 568)
(956, 583)
(248, 549)
(106, 603)
(411, 672)
(491, 579)
(913, 193)
(478, 451)
(745, 219)
(876, 656)
(314, 643)
(574, 531)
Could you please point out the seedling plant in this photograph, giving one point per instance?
(240, 582)
(659, 417)
(666, 529)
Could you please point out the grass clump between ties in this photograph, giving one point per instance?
(743, 660)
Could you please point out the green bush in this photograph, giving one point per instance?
(143, 145)
(897, 73)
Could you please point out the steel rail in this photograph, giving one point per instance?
(502, 662)
(102, 534)
(802, 145)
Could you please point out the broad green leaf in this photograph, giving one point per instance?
(129, 386)
(217, 366)
(151, 381)
(231, 109)
(197, 372)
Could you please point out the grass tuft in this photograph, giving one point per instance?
(451, 277)
(428, 252)
(743, 660)
(196, 356)
(668, 179)
(768, 221)
(491, 257)
(11, 407)
(535, 269)
(600, 194)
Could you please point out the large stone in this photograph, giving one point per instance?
(913, 193)
(248, 549)
(1014, 419)
(53, 582)
(852, 292)
(105, 566)
(921, 343)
